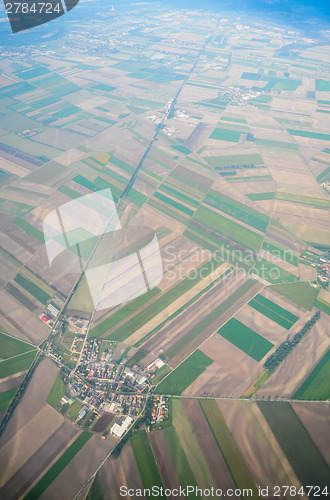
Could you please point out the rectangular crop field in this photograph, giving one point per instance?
(245, 339)
(305, 458)
(273, 311)
(10, 346)
(58, 466)
(183, 469)
(145, 460)
(17, 364)
(317, 384)
(227, 445)
(33, 289)
(184, 374)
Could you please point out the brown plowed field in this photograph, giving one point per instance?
(213, 457)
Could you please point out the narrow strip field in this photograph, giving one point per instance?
(145, 461)
(273, 311)
(296, 444)
(227, 445)
(57, 468)
(185, 475)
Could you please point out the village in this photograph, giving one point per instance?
(104, 390)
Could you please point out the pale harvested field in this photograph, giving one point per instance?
(21, 319)
(61, 275)
(285, 238)
(176, 305)
(316, 419)
(121, 471)
(11, 382)
(230, 375)
(8, 270)
(13, 168)
(174, 272)
(208, 445)
(33, 399)
(266, 462)
(80, 469)
(164, 461)
(262, 325)
(299, 363)
(194, 344)
(307, 273)
(8, 327)
(14, 248)
(44, 447)
(34, 436)
(192, 315)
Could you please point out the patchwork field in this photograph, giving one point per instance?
(211, 130)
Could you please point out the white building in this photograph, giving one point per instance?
(119, 430)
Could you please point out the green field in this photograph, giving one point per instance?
(273, 311)
(281, 252)
(322, 85)
(245, 339)
(302, 294)
(190, 445)
(185, 474)
(174, 203)
(58, 466)
(323, 174)
(234, 160)
(16, 365)
(57, 392)
(323, 306)
(6, 398)
(33, 289)
(227, 446)
(261, 196)
(237, 210)
(228, 228)
(28, 228)
(69, 192)
(306, 460)
(184, 374)
(317, 384)
(133, 324)
(145, 461)
(310, 135)
(10, 346)
(179, 194)
(122, 313)
(272, 273)
(221, 134)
